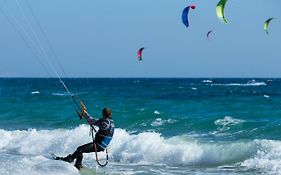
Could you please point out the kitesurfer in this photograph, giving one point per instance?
(101, 141)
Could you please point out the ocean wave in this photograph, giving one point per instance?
(26, 152)
(34, 92)
(226, 123)
(156, 112)
(67, 94)
(267, 158)
(266, 96)
(228, 120)
(160, 122)
(251, 83)
(60, 94)
(207, 81)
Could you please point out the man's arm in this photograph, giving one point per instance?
(89, 119)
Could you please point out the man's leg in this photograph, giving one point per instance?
(78, 154)
(68, 158)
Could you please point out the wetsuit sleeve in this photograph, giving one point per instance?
(98, 122)
(90, 120)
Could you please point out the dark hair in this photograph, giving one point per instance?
(106, 112)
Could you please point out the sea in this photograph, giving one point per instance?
(163, 125)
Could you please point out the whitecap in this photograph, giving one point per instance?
(266, 96)
(21, 151)
(242, 84)
(143, 124)
(59, 94)
(171, 120)
(267, 157)
(156, 112)
(207, 81)
(35, 92)
(157, 122)
(225, 123)
(160, 121)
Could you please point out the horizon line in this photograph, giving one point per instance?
(138, 77)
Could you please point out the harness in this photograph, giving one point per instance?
(105, 144)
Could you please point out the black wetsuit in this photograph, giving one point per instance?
(102, 139)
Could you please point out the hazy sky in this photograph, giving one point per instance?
(101, 38)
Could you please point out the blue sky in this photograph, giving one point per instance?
(101, 38)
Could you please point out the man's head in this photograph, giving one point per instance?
(106, 113)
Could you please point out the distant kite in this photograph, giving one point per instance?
(209, 33)
(140, 54)
(266, 24)
(220, 11)
(185, 14)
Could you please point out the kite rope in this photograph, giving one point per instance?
(40, 52)
(23, 34)
(55, 56)
(45, 37)
(41, 48)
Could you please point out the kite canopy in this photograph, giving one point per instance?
(185, 14)
(209, 33)
(266, 24)
(220, 11)
(140, 54)
(192, 6)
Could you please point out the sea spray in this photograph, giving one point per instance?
(146, 147)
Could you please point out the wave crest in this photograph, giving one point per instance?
(29, 147)
(241, 84)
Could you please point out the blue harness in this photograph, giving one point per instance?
(105, 142)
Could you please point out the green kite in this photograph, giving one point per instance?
(220, 11)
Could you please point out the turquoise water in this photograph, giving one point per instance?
(164, 126)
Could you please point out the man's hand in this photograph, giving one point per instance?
(84, 113)
(83, 108)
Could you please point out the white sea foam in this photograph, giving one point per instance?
(225, 123)
(228, 120)
(59, 94)
(207, 81)
(266, 96)
(194, 88)
(156, 112)
(67, 94)
(157, 122)
(25, 152)
(35, 92)
(160, 121)
(251, 83)
(267, 158)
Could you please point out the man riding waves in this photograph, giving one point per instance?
(101, 141)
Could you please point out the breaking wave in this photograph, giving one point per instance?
(26, 151)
